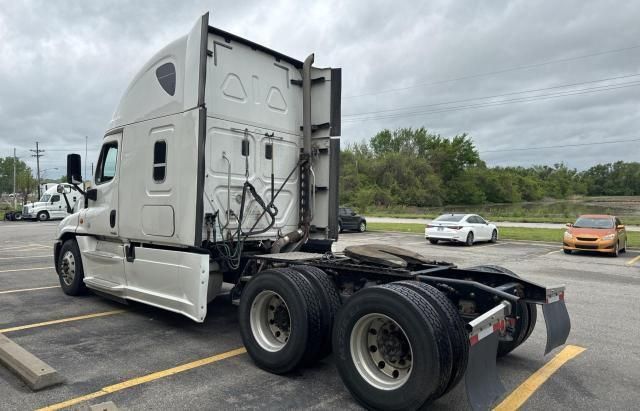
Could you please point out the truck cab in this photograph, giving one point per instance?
(219, 148)
(52, 204)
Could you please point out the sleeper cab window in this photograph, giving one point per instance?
(107, 163)
(166, 75)
(159, 161)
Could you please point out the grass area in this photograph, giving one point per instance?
(553, 235)
(513, 219)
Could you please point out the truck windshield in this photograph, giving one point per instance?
(45, 198)
(593, 222)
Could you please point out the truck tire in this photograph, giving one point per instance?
(280, 321)
(450, 317)
(17, 216)
(524, 325)
(410, 335)
(43, 216)
(70, 270)
(433, 241)
(329, 302)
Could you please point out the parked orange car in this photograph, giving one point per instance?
(596, 232)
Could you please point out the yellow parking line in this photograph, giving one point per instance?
(62, 320)
(26, 269)
(521, 394)
(28, 289)
(145, 379)
(633, 260)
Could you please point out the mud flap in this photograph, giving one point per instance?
(556, 317)
(481, 379)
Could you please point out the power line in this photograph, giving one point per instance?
(498, 103)
(559, 146)
(37, 155)
(495, 95)
(489, 73)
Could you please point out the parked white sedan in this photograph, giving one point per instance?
(463, 228)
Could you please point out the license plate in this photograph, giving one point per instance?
(440, 228)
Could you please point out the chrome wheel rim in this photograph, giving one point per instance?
(494, 236)
(68, 268)
(363, 227)
(270, 321)
(381, 352)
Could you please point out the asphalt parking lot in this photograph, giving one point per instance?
(103, 348)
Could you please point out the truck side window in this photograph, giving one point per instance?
(55, 198)
(159, 161)
(107, 163)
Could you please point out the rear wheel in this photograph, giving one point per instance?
(329, 302)
(469, 241)
(433, 241)
(70, 269)
(526, 317)
(390, 348)
(456, 333)
(280, 320)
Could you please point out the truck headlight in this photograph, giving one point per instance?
(609, 237)
(567, 235)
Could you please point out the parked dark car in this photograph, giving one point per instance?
(350, 220)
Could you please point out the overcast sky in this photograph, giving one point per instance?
(65, 64)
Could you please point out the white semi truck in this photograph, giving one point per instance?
(221, 165)
(52, 204)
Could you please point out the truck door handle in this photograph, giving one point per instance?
(112, 218)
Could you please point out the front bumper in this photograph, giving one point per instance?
(603, 246)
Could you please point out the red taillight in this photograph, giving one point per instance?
(456, 227)
(430, 226)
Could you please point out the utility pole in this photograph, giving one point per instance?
(14, 179)
(85, 159)
(37, 155)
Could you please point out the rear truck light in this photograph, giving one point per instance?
(556, 318)
(481, 378)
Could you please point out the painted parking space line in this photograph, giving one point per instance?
(26, 269)
(22, 290)
(61, 320)
(525, 390)
(26, 256)
(145, 379)
(553, 252)
(18, 247)
(633, 260)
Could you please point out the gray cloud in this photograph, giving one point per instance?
(64, 65)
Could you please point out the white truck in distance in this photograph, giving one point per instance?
(52, 204)
(221, 165)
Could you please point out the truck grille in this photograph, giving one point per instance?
(25, 210)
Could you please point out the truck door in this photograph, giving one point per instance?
(103, 256)
(101, 217)
(55, 206)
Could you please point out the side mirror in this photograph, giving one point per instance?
(74, 169)
(353, 213)
(569, 224)
(620, 226)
